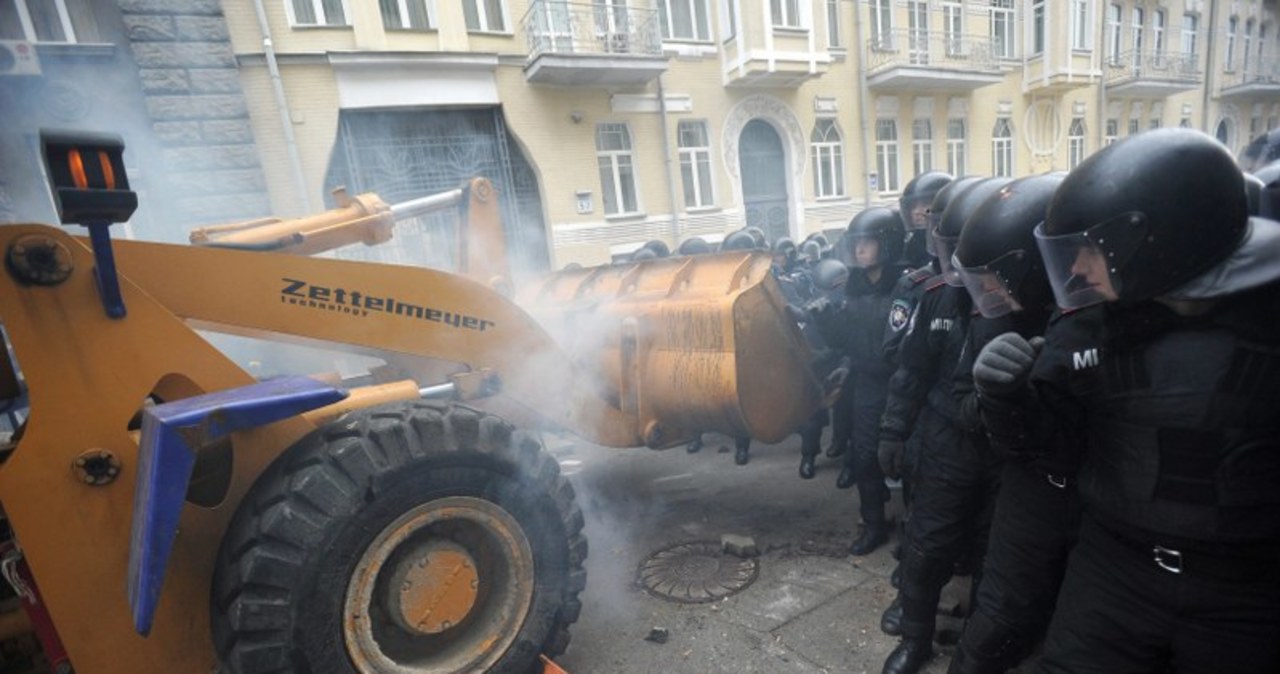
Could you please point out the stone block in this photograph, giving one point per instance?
(211, 157)
(199, 7)
(149, 28)
(227, 131)
(178, 133)
(202, 28)
(164, 81)
(169, 108)
(215, 81)
(739, 546)
(183, 54)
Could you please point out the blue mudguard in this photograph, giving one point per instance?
(172, 433)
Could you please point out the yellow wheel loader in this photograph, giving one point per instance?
(171, 512)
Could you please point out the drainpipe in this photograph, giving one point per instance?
(666, 163)
(282, 104)
(1209, 46)
(863, 94)
(1102, 83)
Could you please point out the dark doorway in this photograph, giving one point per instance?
(763, 167)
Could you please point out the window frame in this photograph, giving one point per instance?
(1111, 132)
(696, 159)
(1038, 27)
(1137, 19)
(1114, 32)
(615, 166)
(1077, 142)
(482, 15)
(317, 8)
(28, 27)
(957, 146)
(402, 12)
(921, 147)
(780, 12)
(1002, 15)
(953, 26)
(834, 40)
(703, 27)
(881, 24)
(1190, 37)
(1002, 148)
(1081, 33)
(828, 158)
(1159, 20)
(888, 156)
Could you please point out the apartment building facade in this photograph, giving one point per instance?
(609, 123)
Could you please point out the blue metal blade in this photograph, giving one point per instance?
(172, 433)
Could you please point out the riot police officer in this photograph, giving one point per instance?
(1163, 366)
(1037, 510)
(955, 478)
(876, 238)
(913, 206)
(827, 281)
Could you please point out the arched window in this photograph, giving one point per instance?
(1075, 142)
(1002, 148)
(828, 158)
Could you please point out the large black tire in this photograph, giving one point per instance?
(282, 584)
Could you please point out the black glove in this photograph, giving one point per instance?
(890, 455)
(1003, 365)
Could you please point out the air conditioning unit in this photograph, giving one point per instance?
(18, 57)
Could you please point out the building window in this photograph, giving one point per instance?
(1002, 28)
(1081, 28)
(684, 20)
(1075, 142)
(1037, 26)
(887, 154)
(1229, 58)
(833, 23)
(1133, 127)
(1190, 27)
(956, 164)
(1248, 45)
(617, 175)
(1157, 32)
(484, 16)
(786, 13)
(1113, 33)
(47, 21)
(881, 24)
(1153, 123)
(318, 12)
(828, 159)
(1262, 46)
(1185, 123)
(406, 14)
(918, 30)
(921, 146)
(1113, 131)
(953, 27)
(1002, 148)
(730, 12)
(1225, 132)
(1136, 19)
(695, 164)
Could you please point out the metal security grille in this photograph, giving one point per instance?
(405, 154)
(764, 180)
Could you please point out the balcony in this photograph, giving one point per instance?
(906, 61)
(1152, 74)
(1258, 80)
(593, 45)
(774, 57)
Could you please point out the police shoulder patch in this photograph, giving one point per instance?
(899, 315)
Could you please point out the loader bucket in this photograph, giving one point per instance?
(684, 345)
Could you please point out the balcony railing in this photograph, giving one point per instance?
(553, 27)
(1263, 74)
(1153, 65)
(931, 49)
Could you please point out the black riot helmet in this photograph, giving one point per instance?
(1269, 194)
(939, 205)
(694, 245)
(920, 192)
(881, 225)
(643, 253)
(659, 247)
(785, 253)
(1253, 187)
(960, 207)
(1141, 217)
(997, 255)
(739, 240)
(1260, 151)
(758, 236)
(829, 275)
(811, 251)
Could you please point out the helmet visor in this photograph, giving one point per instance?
(1084, 267)
(992, 285)
(946, 247)
(866, 251)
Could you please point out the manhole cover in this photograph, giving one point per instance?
(697, 572)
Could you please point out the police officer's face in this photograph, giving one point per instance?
(1090, 271)
(866, 252)
(920, 215)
